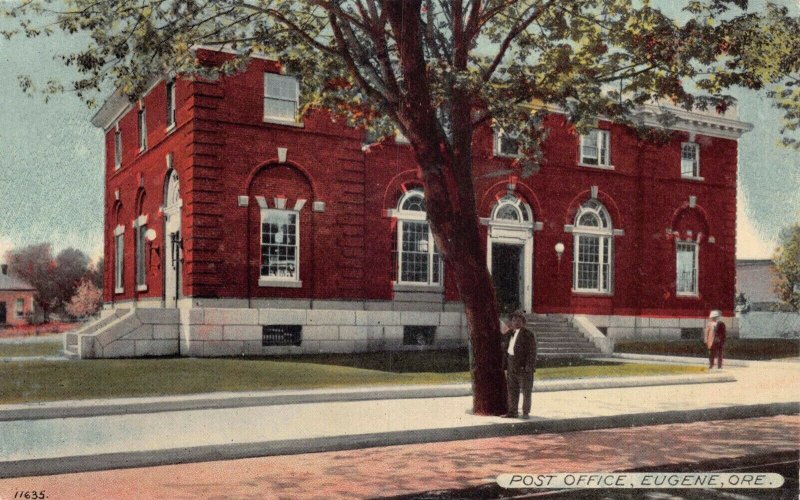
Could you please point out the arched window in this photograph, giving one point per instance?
(593, 262)
(511, 209)
(418, 260)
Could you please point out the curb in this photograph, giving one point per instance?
(688, 360)
(64, 465)
(77, 409)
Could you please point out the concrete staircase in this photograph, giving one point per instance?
(126, 333)
(557, 337)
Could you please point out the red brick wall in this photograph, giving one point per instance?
(223, 150)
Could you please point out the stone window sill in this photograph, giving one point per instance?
(279, 283)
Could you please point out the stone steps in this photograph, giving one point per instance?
(557, 337)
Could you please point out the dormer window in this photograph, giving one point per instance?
(595, 148)
(506, 144)
(690, 160)
(281, 96)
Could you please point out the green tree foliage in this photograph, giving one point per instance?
(762, 51)
(434, 69)
(787, 268)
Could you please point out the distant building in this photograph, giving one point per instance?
(755, 283)
(16, 299)
(757, 303)
(235, 226)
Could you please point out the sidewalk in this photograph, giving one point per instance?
(57, 445)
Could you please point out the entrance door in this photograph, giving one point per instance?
(172, 272)
(507, 276)
(2, 313)
(173, 244)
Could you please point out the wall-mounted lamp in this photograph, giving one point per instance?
(559, 253)
(150, 235)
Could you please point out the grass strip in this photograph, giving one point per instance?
(32, 381)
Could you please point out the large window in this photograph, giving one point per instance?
(595, 148)
(418, 260)
(142, 129)
(281, 94)
(170, 103)
(280, 245)
(686, 268)
(119, 253)
(140, 226)
(690, 160)
(593, 262)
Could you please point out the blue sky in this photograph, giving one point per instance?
(51, 174)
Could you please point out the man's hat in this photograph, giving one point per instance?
(714, 314)
(519, 313)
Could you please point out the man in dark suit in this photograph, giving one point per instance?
(519, 346)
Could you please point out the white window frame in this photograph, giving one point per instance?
(694, 292)
(171, 111)
(119, 259)
(605, 235)
(499, 136)
(117, 148)
(695, 168)
(140, 260)
(141, 121)
(296, 101)
(279, 281)
(19, 308)
(415, 216)
(602, 144)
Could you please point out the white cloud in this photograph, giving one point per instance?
(750, 244)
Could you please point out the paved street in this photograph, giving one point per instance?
(397, 470)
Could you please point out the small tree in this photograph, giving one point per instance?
(787, 268)
(71, 266)
(87, 300)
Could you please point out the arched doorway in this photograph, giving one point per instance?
(509, 253)
(173, 243)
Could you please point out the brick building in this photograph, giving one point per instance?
(235, 226)
(16, 299)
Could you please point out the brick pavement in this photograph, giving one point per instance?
(396, 470)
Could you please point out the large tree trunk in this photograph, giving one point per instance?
(450, 201)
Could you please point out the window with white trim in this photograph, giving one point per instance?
(418, 261)
(142, 125)
(170, 103)
(119, 253)
(690, 160)
(19, 308)
(280, 245)
(506, 144)
(117, 148)
(140, 226)
(686, 266)
(593, 244)
(281, 97)
(595, 148)
(511, 209)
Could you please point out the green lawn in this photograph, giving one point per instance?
(734, 348)
(38, 349)
(49, 381)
